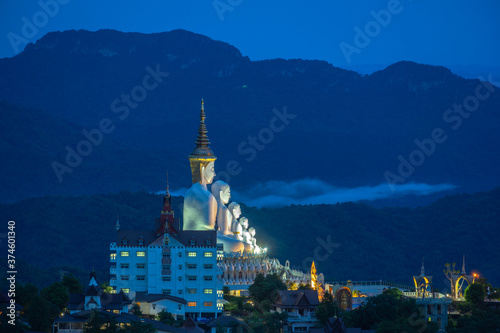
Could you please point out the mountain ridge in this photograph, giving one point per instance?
(350, 129)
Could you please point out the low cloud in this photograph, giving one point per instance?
(314, 191)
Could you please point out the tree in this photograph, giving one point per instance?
(326, 308)
(57, 294)
(25, 293)
(136, 310)
(265, 288)
(305, 287)
(267, 322)
(106, 288)
(388, 313)
(72, 284)
(226, 290)
(474, 294)
(40, 314)
(139, 327)
(166, 317)
(99, 323)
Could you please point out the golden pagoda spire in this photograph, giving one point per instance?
(314, 278)
(202, 154)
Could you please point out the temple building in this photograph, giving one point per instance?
(167, 268)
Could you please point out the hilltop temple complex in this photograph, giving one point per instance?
(183, 268)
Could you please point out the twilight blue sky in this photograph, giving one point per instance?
(434, 32)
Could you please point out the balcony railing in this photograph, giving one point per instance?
(112, 282)
(112, 270)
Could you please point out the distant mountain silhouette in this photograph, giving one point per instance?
(349, 129)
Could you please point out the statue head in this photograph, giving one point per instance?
(221, 191)
(207, 173)
(244, 223)
(235, 209)
(252, 231)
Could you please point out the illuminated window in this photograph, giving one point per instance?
(126, 290)
(192, 278)
(124, 253)
(141, 277)
(124, 265)
(191, 266)
(207, 278)
(192, 291)
(141, 266)
(208, 254)
(191, 254)
(191, 303)
(207, 291)
(207, 303)
(165, 278)
(113, 256)
(141, 253)
(208, 266)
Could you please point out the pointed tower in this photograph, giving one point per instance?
(422, 269)
(463, 266)
(314, 278)
(167, 221)
(202, 154)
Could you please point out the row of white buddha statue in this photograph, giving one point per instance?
(204, 209)
(244, 271)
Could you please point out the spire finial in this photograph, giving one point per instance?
(202, 143)
(422, 269)
(117, 225)
(463, 266)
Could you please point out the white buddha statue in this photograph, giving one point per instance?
(252, 232)
(200, 206)
(235, 210)
(222, 193)
(246, 237)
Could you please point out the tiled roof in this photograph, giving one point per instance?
(133, 237)
(141, 296)
(108, 301)
(84, 316)
(200, 237)
(297, 299)
(226, 321)
(149, 237)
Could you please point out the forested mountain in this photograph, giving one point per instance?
(73, 234)
(347, 129)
